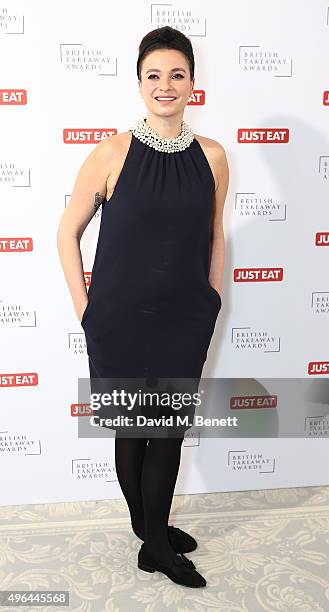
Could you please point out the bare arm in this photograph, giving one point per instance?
(88, 191)
(217, 244)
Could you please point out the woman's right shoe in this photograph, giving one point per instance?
(181, 570)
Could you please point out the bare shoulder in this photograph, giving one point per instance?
(216, 156)
(112, 151)
(214, 147)
(114, 144)
(115, 150)
(119, 139)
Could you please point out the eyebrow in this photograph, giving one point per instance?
(157, 70)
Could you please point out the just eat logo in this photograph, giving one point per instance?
(197, 98)
(87, 135)
(15, 97)
(263, 135)
(322, 238)
(318, 367)
(81, 410)
(19, 379)
(253, 401)
(16, 245)
(246, 275)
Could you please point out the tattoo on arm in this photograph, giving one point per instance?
(98, 201)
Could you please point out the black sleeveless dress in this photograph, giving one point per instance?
(151, 310)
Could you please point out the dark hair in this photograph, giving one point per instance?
(165, 38)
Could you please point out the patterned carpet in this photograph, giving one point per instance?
(258, 550)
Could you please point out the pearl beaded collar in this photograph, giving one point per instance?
(143, 131)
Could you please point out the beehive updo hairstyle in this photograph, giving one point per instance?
(165, 38)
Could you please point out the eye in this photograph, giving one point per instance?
(175, 75)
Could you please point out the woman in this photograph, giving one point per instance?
(156, 281)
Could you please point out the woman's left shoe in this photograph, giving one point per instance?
(181, 541)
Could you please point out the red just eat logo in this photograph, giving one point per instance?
(87, 135)
(263, 135)
(16, 97)
(247, 275)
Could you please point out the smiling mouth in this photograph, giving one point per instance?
(165, 98)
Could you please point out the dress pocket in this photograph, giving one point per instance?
(216, 295)
(85, 313)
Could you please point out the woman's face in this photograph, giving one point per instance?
(165, 73)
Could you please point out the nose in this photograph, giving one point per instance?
(165, 84)
(165, 91)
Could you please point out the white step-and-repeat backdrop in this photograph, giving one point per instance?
(68, 79)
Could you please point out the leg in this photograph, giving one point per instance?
(159, 475)
(129, 458)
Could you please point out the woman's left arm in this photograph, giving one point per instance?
(217, 241)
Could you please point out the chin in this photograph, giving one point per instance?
(164, 110)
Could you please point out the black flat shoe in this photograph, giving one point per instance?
(181, 570)
(181, 541)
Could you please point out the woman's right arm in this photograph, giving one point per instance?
(90, 184)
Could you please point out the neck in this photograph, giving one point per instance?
(165, 127)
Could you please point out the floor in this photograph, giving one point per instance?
(258, 550)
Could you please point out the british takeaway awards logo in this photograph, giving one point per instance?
(11, 20)
(257, 59)
(186, 20)
(89, 469)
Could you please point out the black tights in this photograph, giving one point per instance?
(147, 473)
